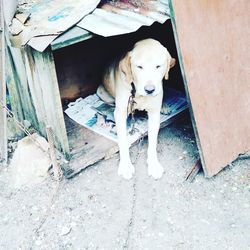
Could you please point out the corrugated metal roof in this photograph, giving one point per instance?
(51, 18)
(115, 18)
(120, 17)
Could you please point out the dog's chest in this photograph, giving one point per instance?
(142, 103)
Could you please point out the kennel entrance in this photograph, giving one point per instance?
(79, 71)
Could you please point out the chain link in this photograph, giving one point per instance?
(131, 110)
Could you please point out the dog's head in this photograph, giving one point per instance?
(146, 65)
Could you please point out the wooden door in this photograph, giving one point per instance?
(214, 48)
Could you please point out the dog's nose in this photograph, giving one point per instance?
(149, 89)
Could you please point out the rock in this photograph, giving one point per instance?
(30, 163)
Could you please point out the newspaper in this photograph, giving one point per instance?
(98, 116)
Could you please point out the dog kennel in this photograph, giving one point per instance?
(50, 71)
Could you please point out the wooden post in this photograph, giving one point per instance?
(56, 167)
(3, 118)
(194, 171)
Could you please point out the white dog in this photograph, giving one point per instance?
(141, 70)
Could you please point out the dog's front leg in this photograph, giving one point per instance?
(155, 169)
(126, 168)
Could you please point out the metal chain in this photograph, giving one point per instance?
(139, 151)
(131, 110)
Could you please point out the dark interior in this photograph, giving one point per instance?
(80, 66)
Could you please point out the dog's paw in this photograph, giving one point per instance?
(165, 109)
(126, 170)
(155, 169)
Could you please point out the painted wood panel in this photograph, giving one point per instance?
(213, 38)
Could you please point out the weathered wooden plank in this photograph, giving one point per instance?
(212, 38)
(9, 9)
(42, 80)
(35, 89)
(86, 147)
(21, 85)
(72, 36)
(13, 87)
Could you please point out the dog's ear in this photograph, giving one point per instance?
(125, 67)
(171, 64)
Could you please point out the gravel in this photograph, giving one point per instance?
(99, 210)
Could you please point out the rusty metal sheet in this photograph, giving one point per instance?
(214, 43)
(120, 17)
(112, 18)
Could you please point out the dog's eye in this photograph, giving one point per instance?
(139, 67)
(158, 66)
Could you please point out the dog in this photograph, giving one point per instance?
(140, 73)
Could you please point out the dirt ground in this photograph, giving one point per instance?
(99, 210)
